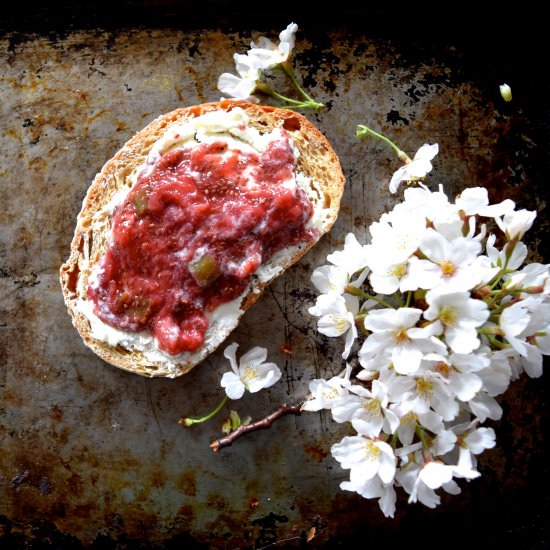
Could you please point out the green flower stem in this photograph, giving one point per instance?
(497, 343)
(423, 436)
(187, 422)
(265, 88)
(287, 68)
(409, 298)
(364, 131)
(353, 290)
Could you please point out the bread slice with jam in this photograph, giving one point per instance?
(182, 230)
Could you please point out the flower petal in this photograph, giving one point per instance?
(233, 385)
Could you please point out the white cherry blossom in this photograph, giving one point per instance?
(353, 258)
(415, 169)
(267, 54)
(532, 276)
(330, 278)
(475, 201)
(367, 410)
(325, 393)
(243, 85)
(429, 394)
(252, 373)
(460, 316)
(515, 224)
(501, 258)
(408, 423)
(422, 202)
(373, 488)
(366, 458)
(526, 326)
(474, 442)
(419, 491)
(337, 317)
(452, 265)
(395, 239)
(394, 331)
(484, 406)
(458, 372)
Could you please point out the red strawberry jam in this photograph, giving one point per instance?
(189, 235)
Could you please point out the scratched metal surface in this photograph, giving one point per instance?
(94, 457)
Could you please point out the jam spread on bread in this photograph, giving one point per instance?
(191, 232)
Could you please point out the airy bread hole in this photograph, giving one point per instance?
(291, 124)
(72, 278)
(327, 202)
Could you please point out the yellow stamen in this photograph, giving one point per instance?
(443, 369)
(408, 419)
(448, 269)
(424, 387)
(371, 450)
(398, 270)
(400, 335)
(341, 323)
(330, 394)
(448, 315)
(249, 374)
(372, 408)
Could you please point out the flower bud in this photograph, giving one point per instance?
(506, 92)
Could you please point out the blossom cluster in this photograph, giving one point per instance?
(447, 314)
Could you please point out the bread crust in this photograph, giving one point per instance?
(317, 160)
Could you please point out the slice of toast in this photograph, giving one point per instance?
(316, 161)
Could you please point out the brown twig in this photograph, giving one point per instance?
(266, 422)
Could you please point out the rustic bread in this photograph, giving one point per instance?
(316, 160)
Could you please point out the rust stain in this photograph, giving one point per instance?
(316, 452)
(190, 70)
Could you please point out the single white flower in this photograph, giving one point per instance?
(473, 442)
(532, 276)
(475, 201)
(373, 488)
(526, 326)
(497, 373)
(426, 204)
(389, 278)
(242, 86)
(367, 410)
(409, 421)
(396, 238)
(416, 168)
(268, 54)
(337, 317)
(483, 406)
(251, 374)
(429, 393)
(366, 458)
(325, 393)
(443, 443)
(237, 87)
(458, 372)
(452, 265)
(460, 317)
(515, 224)
(353, 258)
(330, 278)
(395, 331)
(421, 489)
(501, 258)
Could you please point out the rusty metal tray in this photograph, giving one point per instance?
(94, 457)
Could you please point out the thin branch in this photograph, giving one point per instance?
(266, 422)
